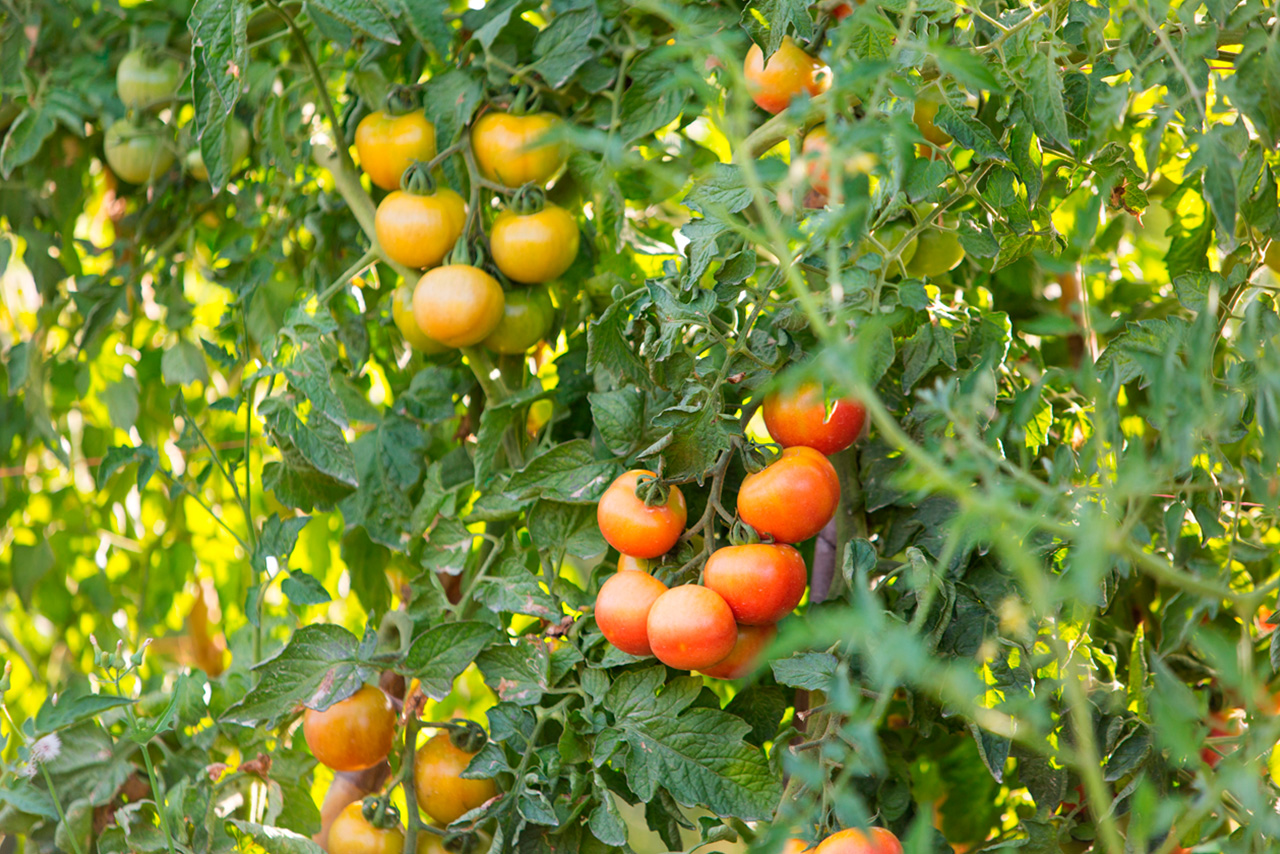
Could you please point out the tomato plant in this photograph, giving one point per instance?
(495, 451)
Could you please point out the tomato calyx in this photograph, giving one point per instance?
(403, 99)
(417, 179)
(380, 812)
(652, 491)
(528, 200)
(742, 534)
(525, 101)
(757, 456)
(467, 736)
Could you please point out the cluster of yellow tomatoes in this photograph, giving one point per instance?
(358, 733)
(457, 303)
(720, 627)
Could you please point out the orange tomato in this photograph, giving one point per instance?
(443, 793)
(351, 833)
(877, 840)
(458, 305)
(799, 416)
(792, 498)
(635, 529)
(509, 150)
(762, 583)
(388, 144)
(742, 659)
(534, 248)
(691, 628)
(622, 610)
(789, 71)
(352, 734)
(418, 231)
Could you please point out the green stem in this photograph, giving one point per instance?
(62, 816)
(318, 77)
(350, 273)
(413, 820)
(158, 794)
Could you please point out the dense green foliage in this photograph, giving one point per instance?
(1054, 554)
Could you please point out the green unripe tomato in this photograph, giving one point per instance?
(936, 253)
(889, 236)
(145, 79)
(526, 319)
(138, 153)
(239, 151)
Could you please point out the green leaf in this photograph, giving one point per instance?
(1043, 101)
(606, 822)
(25, 138)
(427, 23)
(303, 589)
(183, 363)
(219, 65)
(118, 457)
(277, 840)
(607, 346)
(512, 588)
(697, 754)
(29, 564)
(723, 191)
(567, 473)
(698, 433)
(555, 525)
(121, 399)
(963, 126)
(74, 709)
(769, 21)
(317, 668)
(364, 16)
(812, 671)
(618, 415)
(455, 95)
(565, 45)
(518, 672)
(1193, 289)
(440, 654)
(389, 463)
(317, 443)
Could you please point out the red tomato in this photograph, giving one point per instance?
(877, 840)
(792, 498)
(751, 642)
(762, 583)
(622, 609)
(798, 416)
(635, 529)
(788, 72)
(691, 628)
(843, 11)
(352, 734)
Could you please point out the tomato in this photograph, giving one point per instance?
(418, 231)
(526, 320)
(507, 149)
(926, 109)
(844, 10)
(353, 734)
(799, 416)
(351, 833)
(239, 151)
(138, 153)
(442, 792)
(815, 150)
(536, 247)
(792, 498)
(788, 72)
(457, 304)
(890, 236)
(691, 628)
(627, 563)
(1222, 724)
(1271, 257)
(622, 609)
(388, 144)
(747, 649)
(936, 253)
(635, 529)
(877, 840)
(761, 582)
(145, 79)
(402, 314)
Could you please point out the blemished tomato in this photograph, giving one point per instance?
(508, 148)
(457, 304)
(746, 652)
(799, 416)
(691, 628)
(239, 151)
(622, 609)
(353, 734)
(875, 840)
(387, 145)
(138, 153)
(402, 314)
(145, 79)
(926, 109)
(635, 529)
(526, 319)
(536, 247)
(789, 71)
(351, 833)
(761, 582)
(418, 231)
(442, 792)
(792, 498)
(936, 253)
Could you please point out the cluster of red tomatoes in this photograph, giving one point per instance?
(358, 733)
(719, 627)
(457, 303)
(139, 147)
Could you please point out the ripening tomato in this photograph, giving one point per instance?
(936, 253)
(457, 304)
(844, 10)
(526, 319)
(746, 652)
(536, 247)
(789, 71)
(352, 734)
(691, 628)
(351, 833)
(817, 160)
(145, 78)
(419, 230)
(239, 151)
(138, 153)
(876, 840)
(509, 150)
(622, 609)
(443, 793)
(388, 144)
(402, 314)
(761, 582)
(923, 114)
(799, 416)
(635, 529)
(792, 498)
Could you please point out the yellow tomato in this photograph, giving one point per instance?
(418, 231)
(387, 145)
(442, 791)
(507, 148)
(402, 314)
(457, 304)
(534, 248)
